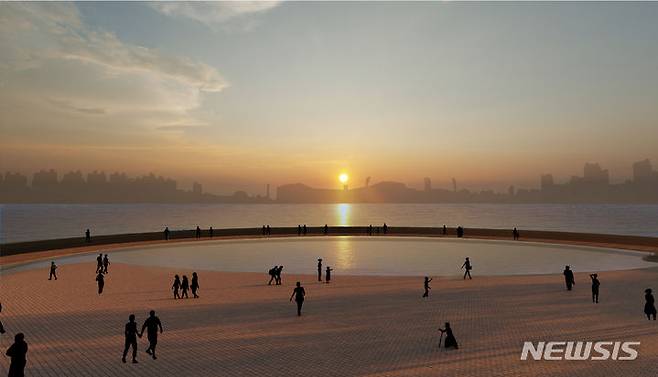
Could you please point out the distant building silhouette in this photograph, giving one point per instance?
(428, 184)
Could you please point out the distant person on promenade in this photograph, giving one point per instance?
(166, 233)
(131, 334)
(649, 306)
(264, 230)
(268, 230)
(87, 236)
(18, 353)
(272, 273)
(304, 229)
(568, 277)
(445, 230)
(450, 338)
(326, 229)
(53, 271)
(460, 232)
(319, 269)
(467, 267)
(195, 284)
(298, 293)
(210, 231)
(595, 287)
(100, 278)
(184, 287)
(299, 230)
(327, 274)
(2, 328)
(176, 286)
(370, 230)
(385, 228)
(515, 234)
(198, 232)
(99, 263)
(106, 263)
(427, 287)
(277, 275)
(152, 324)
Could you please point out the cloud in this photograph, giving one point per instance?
(65, 104)
(214, 12)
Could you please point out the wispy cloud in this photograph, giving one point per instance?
(213, 13)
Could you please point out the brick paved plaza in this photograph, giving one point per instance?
(365, 326)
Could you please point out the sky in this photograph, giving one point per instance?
(240, 94)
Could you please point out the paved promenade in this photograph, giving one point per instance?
(361, 326)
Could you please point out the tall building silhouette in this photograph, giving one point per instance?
(428, 184)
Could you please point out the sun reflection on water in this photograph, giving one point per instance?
(343, 212)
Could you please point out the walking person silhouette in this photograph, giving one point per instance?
(101, 282)
(467, 267)
(99, 263)
(427, 287)
(152, 324)
(106, 263)
(298, 293)
(326, 229)
(176, 286)
(185, 285)
(87, 236)
(450, 338)
(195, 284)
(327, 275)
(304, 229)
(595, 287)
(2, 328)
(272, 273)
(385, 228)
(649, 305)
(131, 334)
(568, 277)
(277, 275)
(319, 269)
(53, 271)
(17, 352)
(166, 233)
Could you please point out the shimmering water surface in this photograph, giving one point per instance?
(372, 256)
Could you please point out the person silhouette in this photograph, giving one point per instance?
(515, 234)
(101, 282)
(370, 230)
(87, 236)
(263, 230)
(427, 287)
(176, 286)
(327, 275)
(467, 267)
(277, 275)
(299, 230)
(272, 273)
(326, 229)
(53, 271)
(595, 287)
(17, 352)
(460, 232)
(106, 262)
(445, 230)
(649, 306)
(568, 277)
(197, 232)
(210, 230)
(298, 293)
(166, 233)
(152, 324)
(319, 269)
(195, 284)
(450, 338)
(99, 263)
(131, 334)
(268, 230)
(385, 228)
(2, 328)
(304, 229)
(185, 285)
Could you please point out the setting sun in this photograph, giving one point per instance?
(343, 178)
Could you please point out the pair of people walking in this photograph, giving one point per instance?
(275, 275)
(102, 263)
(184, 286)
(152, 324)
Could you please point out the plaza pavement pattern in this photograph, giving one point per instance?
(355, 326)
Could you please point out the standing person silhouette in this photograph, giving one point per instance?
(263, 230)
(176, 286)
(515, 234)
(106, 263)
(467, 267)
(151, 325)
(269, 230)
(272, 273)
(304, 229)
(18, 353)
(298, 293)
(87, 236)
(299, 230)
(319, 269)
(2, 328)
(99, 263)
(195, 284)
(649, 305)
(53, 271)
(568, 277)
(460, 232)
(131, 334)
(445, 230)
(211, 232)
(370, 230)
(385, 228)
(197, 232)
(595, 287)
(327, 275)
(450, 338)
(185, 285)
(326, 229)
(277, 275)
(166, 233)
(427, 287)
(101, 282)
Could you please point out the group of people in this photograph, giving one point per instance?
(152, 324)
(372, 230)
(184, 286)
(101, 269)
(275, 274)
(327, 274)
(267, 231)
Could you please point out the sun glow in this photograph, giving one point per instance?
(343, 178)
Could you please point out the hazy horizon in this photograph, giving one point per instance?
(238, 95)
